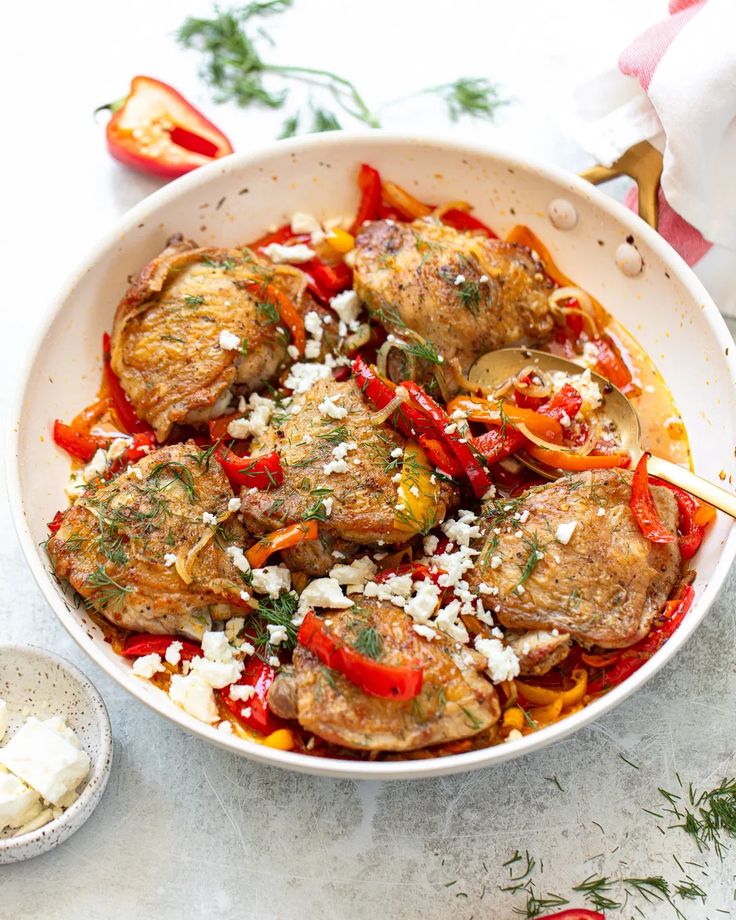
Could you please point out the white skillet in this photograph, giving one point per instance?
(234, 200)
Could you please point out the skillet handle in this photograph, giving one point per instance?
(643, 163)
(678, 476)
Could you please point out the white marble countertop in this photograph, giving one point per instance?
(187, 829)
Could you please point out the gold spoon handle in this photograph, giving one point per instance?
(713, 494)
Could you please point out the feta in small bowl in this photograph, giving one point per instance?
(55, 751)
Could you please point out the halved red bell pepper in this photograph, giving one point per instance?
(374, 678)
(121, 402)
(156, 130)
(643, 507)
(151, 644)
(574, 913)
(369, 183)
(472, 468)
(690, 530)
(465, 222)
(631, 659)
(254, 712)
(256, 472)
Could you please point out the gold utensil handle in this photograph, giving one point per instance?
(708, 491)
(643, 163)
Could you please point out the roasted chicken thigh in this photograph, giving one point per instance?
(148, 550)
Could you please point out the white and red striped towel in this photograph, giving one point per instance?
(675, 86)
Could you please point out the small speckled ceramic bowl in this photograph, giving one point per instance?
(34, 682)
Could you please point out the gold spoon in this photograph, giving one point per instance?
(496, 367)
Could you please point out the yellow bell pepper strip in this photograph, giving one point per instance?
(513, 718)
(280, 539)
(543, 715)
(417, 493)
(282, 740)
(483, 410)
(577, 462)
(340, 240)
(546, 695)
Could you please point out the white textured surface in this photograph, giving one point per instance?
(187, 828)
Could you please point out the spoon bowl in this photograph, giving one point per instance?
(496, 367)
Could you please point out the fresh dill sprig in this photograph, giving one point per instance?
(106, 591)
(424, 351)
(474, 96)
(277, 611)
(711, 814)
(536, 554)
(178, 472)
(594, 890)
(236, 69)
(369, 642)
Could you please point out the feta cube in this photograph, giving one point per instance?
(18, 803)
(194, 696)
(48, 757)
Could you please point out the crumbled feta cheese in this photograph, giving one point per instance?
(229, 341)
(601, 512)
(237, 556)
(169, 559)
(208, 518)
(524, 516)
(244, 596)
(463, 530)
(327, 506)
(356, 574)
(277, 634)
(96, 466)
(565, 531)
(173, 652)
(242, 692)
(323, 592)
(447, 621)
(430, 545)
(342, 449)
(147, 665)
(194, 696)
(426, 632)
(292, 351)
(118, 448)
(225, 727)
(347, 306)
(216, 647)
(335, 466)
(247, 648)
(256, 425)
(302, 377)
(305, 223)
(296, 254)
(271, 580)
(329, 408)
(514, 735)
(216, 674)
(233, 627)
(48, 757)
(422, 606)
(234, 504)
(503, 664)
(18, 803)
(459, 279)
(275, 663)
(496, 562)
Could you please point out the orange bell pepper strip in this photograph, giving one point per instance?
(545, 695)
(487, 412)
(406, 204)
(543, 715)
(280, 539)
(289, 314)
(577, 462)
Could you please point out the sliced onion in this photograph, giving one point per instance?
(358, 339)
(452, 206)
(580, 450)
(184, 566)
(533, 390)
(586, 310)
(297, 273)
(378, 418)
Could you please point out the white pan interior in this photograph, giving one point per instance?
(235, 200)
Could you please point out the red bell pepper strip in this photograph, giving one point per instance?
(55, 523)
(251, 472)
(121, 402)
(574, 913)
(465, 222)
(633, 658)
(468, 461)
(79, 445)
(151, 644)
(691, 532)
(284, 234)
(369, 183)
(374, 678)
(566, 402)
(643, 507)
(254, 712)
(328, 280)
(156, 130)
(610, 364)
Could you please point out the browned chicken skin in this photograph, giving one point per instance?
(427, 276)
(605, 586)
(166, 346)
(456, 701)
(113, 543)
(363, 499)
